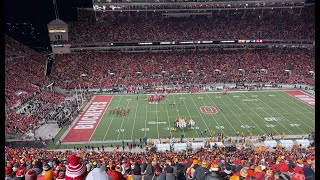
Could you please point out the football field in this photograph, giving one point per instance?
(256, 113)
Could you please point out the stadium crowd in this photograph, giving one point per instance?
(215, 164)
(47, 105)
(151, 26)
(15, 49)
(24, 74)
(24, 81)
(172, 68)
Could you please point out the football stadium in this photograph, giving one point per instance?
(157, 89)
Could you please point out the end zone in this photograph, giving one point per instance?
(303, 97)
(83, 129)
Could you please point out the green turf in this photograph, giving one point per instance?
(243, 111)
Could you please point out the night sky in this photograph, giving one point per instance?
(26, 21)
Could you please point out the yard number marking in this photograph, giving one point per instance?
(120, 130)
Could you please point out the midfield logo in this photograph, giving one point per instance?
(208, 110)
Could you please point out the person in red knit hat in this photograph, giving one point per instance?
(31, 175)
(75, 169)
(20, 173)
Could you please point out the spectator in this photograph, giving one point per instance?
(115, 172)
(227, 172)
(180, 174)
(75, 170)
(169, 173)
(98, 174)
(31, 175)
(38, 167)
(20, 174)
(8, 170)
(201, 172)
(309, 171)
(136, 172)
(191, 170)
(213, 175)
(61, 176)
(149, 171)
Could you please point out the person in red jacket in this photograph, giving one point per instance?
(115, 173)
(75, 169)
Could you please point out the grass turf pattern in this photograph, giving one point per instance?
(255, 113)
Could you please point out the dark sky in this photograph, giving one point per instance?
(27, 20)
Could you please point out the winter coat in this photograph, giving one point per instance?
(170, 176)
(98, 174)
(136, 177)
(200, 173)
(38, 171)
(187, 166)
(309, 173)
(149, 172)
(213, 176)
(180, 175)
(162, 176)
(116, 175)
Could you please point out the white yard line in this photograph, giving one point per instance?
(246, 114)
(223, 113)
(145, 120)
(286, 111)
(178, 113)
(190, 115)
(157, 120)
(200, 113)
(216, 120)
(135, 116)
(268, 113)
(122, 123)
(168, 118)
(111, 121)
